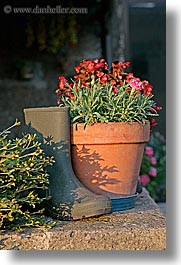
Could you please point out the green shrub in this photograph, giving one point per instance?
(22, 175)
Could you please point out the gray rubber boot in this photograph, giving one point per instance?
(69, 198)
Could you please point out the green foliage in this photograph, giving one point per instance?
(22, 175)
(102, 104)
(98, 94)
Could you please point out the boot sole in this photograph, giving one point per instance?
(98, 206)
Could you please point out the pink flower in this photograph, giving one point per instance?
(58, 101)
(144, 179)
(126, 64)
(99, 65)
(149, 151)
(136, 84)
(153, 172)
(153, 160)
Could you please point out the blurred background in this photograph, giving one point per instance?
(36, 48)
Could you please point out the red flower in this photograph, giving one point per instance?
(153, 122)
(67, 94)
(147, 88)
(61, 84)
(59, 92)
(126, 64)
(96, 61)
(99, 73)
(62, 78)
(156, 107)
(113, 82)
(89, 65)
(62, 81)
(115, 90)
(103, 79)
(117, 64)
(115, 77)
(77, 68)
(102, 61)
(129, 77)
(159, 107)
(72, 96)
(99, 65)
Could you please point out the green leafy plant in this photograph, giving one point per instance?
(97, 94)
(153, 168)
(23, 174)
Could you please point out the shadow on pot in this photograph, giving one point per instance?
(93, 175)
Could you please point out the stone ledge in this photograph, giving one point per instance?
(140, 228)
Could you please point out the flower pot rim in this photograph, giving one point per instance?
(110, 133)
(111, 122)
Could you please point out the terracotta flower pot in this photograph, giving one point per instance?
(106, 157)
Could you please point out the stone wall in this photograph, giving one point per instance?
(140, 228)
(15, 95)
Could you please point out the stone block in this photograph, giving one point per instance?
(140, 228)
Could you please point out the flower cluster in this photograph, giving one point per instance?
(152, 161)
(153, 167)
(115, 84)
(99, 69)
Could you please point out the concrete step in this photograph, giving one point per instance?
(162, 206)
(140, 228)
